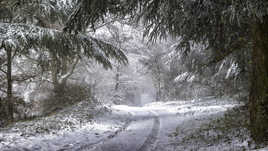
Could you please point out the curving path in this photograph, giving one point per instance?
(146, 128)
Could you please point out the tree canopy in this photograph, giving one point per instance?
(37, 25)
(222, 26)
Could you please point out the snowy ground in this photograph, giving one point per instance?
(159, 126)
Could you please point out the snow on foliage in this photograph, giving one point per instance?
(79, 117)
(185, 77)
(23, 37)
(233, 70)
(182, 77)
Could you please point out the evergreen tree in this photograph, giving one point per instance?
(223, 26)
(27, 25)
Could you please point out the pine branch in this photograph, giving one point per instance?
(22, 38)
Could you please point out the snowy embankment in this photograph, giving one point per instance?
(199, 124)
(263, 149)
(69, 127)
(205, 124)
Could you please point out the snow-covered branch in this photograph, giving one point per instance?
(23, 37)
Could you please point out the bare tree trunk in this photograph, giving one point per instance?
(117, 75)
(64, 71)
(258, 100)
(159, 89)
(159, 92)
(54, 70)
(10, 104)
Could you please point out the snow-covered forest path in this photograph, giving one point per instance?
(146, 128)
(152, 125)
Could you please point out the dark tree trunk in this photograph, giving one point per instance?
(159, 92)
(258, 99)
(10, 104)
(117, 75)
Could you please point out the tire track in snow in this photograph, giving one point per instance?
(91, 145)
(150, 142)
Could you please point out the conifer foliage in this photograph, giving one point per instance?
(223, 26)
(36, 25)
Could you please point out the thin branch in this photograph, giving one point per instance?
(23, 77)
(104, 24)
(3, 71)
(14, 55)
(47, 80)
(67, 75)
